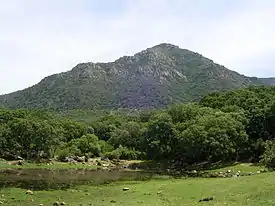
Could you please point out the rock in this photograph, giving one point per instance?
(17, 162)
(73, 162)
(237, 174)
(113, 201)
(29, 192)
(80, 159)
(125, 189)
(1, 203)
(62, 203)
(40, 204)
(68, 159)
(56, 204)
(206, 199)
(258, 172)
(194, 171)
(228, 171)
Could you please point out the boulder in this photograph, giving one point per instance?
(29, 192)
(17, 162)
(125, 189)
(206, 199)
(80, 159)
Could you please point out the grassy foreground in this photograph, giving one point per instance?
(249, 190)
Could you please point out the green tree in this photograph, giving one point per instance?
(160, 136)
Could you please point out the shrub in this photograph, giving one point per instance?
(87, 144)
(268, 157)
(67, 152)
(105, 147)
(125, 154)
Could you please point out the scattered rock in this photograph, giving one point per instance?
(125, 189)
(80, 159)
(29, 192)
(68, 159)
(104, 158)
(206, 199)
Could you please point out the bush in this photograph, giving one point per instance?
(87, 144)
(268, 157)
(105, 147)
(113, 155)
(125, 154)
(67, 152)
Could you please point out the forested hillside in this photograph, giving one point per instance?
(228, 126)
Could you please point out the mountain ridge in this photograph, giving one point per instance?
(153, 78)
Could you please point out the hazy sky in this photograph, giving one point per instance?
(42, 37)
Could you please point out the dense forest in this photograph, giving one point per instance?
(229, 126)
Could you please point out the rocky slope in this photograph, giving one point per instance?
(154, 77)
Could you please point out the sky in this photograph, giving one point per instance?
(42, 37)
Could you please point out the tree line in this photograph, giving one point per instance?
(227, 126)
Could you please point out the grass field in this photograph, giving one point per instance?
(250, 190)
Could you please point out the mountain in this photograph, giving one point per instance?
(268, 81)
(154, 77)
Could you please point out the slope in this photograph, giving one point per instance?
(152, 78)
